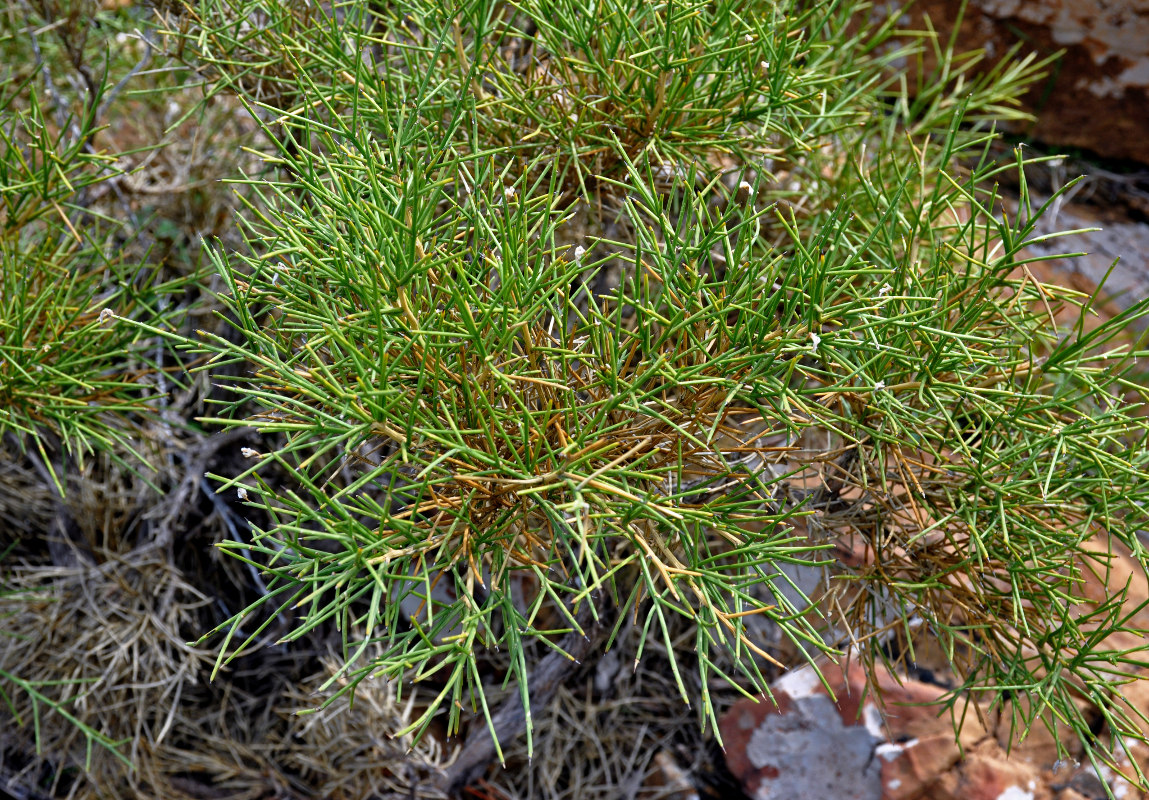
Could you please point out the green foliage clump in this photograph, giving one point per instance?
(72, 372)
(565, 314)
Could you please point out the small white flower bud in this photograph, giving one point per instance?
(105, 315)
(579, 251)
(247, 452)
(879, 386)
(242, 492)
(815, 340)
(885, 290)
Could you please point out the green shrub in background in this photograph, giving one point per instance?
(62, 361)
(76, 378)
(72, 374)
(568, 313)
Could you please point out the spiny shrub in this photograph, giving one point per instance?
(565, 312)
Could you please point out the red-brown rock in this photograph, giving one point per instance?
(986, 773)
(1097, 96)
(804, 744)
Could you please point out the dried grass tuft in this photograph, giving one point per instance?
(604, 731)
(105, 636)
(108, 641)
(351, 751)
